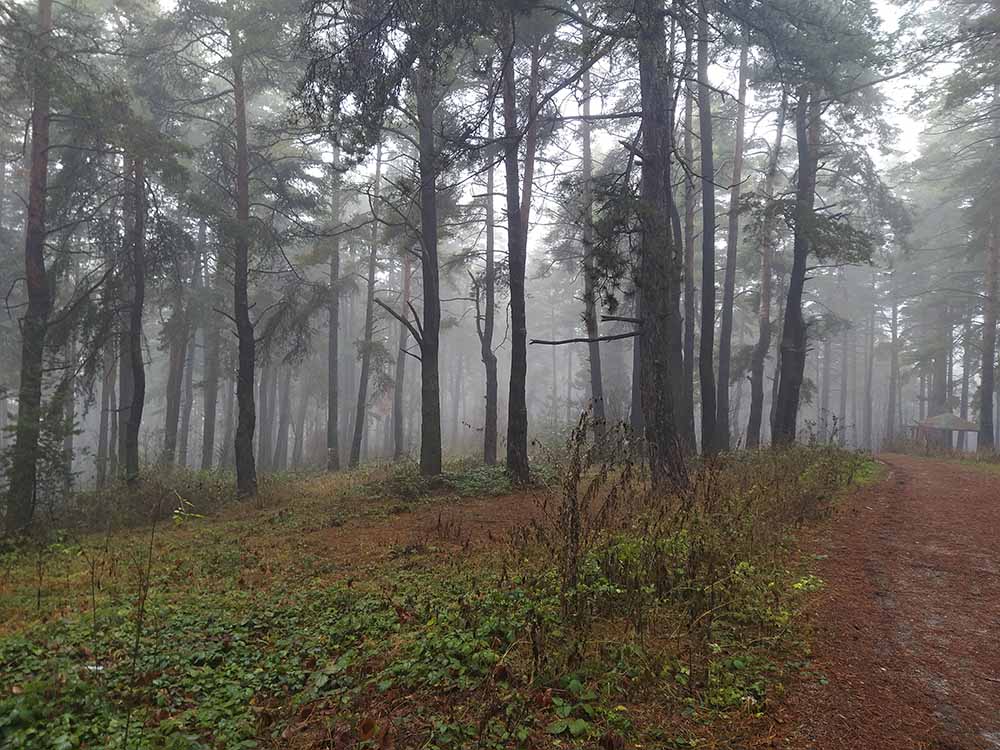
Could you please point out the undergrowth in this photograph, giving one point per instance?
(625, 613)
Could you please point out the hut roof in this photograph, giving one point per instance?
(949, 422)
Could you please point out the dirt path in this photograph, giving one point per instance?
(907, 633)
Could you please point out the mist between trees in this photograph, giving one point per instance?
(264, 236)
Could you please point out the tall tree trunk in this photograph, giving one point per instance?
(868, 434)
(246, 469)
(366, 348)
(398, 441)
(844, 384)
(661, 370)
(488, 318)
(265, 426)
(191, 319)
(227, 457)
(590, 270)
(636, 422)
(137, 366)
(890, 421)
(69, 414)
(517, 406)
(793, 335)
(210, 394)
(987, 386)
(430, 391)
(177, 335)
(333, 338)
(732, 242)
(690, 197)
(187, 400)
(105, 419)
(824, 392)
(966, 371)
(280, 462)
(763, 346)
(34, 325)
(706, 352)
(298, 447)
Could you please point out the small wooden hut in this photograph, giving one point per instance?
(937, 431)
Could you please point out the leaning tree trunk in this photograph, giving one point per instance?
(136, 363)
(590, 270)
(517, 406)
(34, 325)
(430, 394)
(246, 469)
(793, 334)
(706, 351)
(722, 419)
(366, 347)
(759, 356)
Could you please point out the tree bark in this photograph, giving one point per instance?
(298, 447)
(333, 339)
(107, 390)
(844, 384)
(227, 457)
(759, 356)
(661, 370)
(722, 419)
(398, 440)
(690, 198)
(590, 270)
(966, 372)
(824, 393)
(280, 461)
(136, 364)
(793, 335)
(989, 344)
(517, 406)
(430, 392)
(890, 421)
(366, 348)
(488, 326)
(176, 359)
(34, 325)
(213, 352)
(265, 424)
(246, 469)
(191, 332)
(868, 434)
(706, 352)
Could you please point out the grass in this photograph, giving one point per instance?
(237, 627)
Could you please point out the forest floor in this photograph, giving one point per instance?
(370, 610)
(907, 630)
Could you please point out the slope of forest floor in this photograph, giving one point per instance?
(374, 610)
(906, 630)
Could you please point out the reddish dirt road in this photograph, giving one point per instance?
(907, 632)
